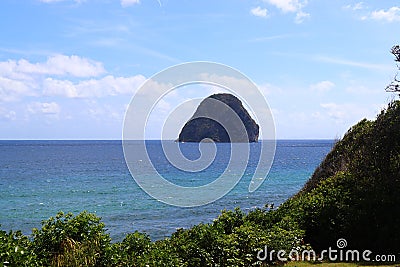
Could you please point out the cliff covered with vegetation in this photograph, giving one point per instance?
(355, 192)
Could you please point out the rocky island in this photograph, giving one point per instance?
(217, 115)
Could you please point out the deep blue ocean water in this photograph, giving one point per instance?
(40, 178)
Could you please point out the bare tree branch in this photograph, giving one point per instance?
(396, 52)
(394, 86)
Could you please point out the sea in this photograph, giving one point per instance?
(40, 178)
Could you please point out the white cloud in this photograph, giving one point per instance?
(259, 12)
(8, 69)
(301, 17)
(356, 6)
(323, 86)
(288, 5)
(53, 87)
(106, 86)
(60, 65)
(126, 3)
(391, 15)
(291, 6)
(74, 65)
(64, 65)
(22, 78)
(12, 90)
(45, 108)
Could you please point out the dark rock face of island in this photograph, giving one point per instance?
(217, 115)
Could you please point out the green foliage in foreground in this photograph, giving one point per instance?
(354, 194)
(233, 239)
(66, 240)
(16, 250)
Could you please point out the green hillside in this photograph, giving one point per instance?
(355, 192)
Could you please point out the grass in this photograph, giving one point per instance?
(339, 264)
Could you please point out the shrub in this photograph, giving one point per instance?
(131, 251)
(16, 250)
(66, 240)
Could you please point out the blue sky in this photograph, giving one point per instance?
(68, 68)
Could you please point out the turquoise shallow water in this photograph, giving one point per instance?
(40, 178)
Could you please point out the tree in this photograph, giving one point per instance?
(394, 86)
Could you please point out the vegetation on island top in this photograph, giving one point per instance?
(353, 194)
